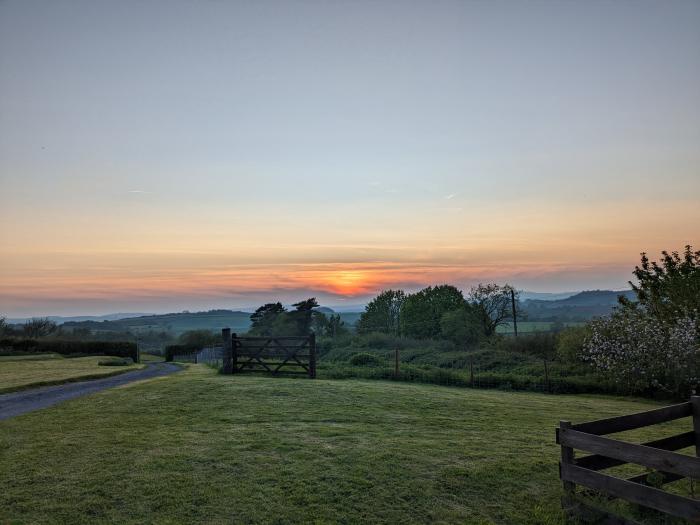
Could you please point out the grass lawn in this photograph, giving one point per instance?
(20, 372)
(197, 447)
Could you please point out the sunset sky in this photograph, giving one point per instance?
(161, 156)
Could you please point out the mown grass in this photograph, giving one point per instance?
(198, 447)
(20, 372)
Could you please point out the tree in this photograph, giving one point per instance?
(494, 306)
(670, 289)
(382, 313)
(3, 326)
(303, 314)
(265, 318)
(653, 343)
(39, 327)
(422, 311)
(329, 326)
(461, 326)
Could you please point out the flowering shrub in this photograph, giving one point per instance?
(644, 353)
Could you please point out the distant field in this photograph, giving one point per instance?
(198, 447)
(525, 327)
(20, 372)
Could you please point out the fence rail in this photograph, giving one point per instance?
(659, 455)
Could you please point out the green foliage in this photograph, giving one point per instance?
(570, 342)
(382, 314)
(542, 345)
(72, 348)
(461, 326)
(264, 319)
(669, 289)
(366, 359)
(422, 311)
(199, 338)
(328, 326)
(172, 350)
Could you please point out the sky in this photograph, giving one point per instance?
(166, 155)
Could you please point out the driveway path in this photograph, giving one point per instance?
(16, 403)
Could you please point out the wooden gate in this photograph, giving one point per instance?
(274, 355)
(659, 456)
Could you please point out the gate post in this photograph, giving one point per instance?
(234, 353)
(312, 356)
(695, 402)
(226, 336)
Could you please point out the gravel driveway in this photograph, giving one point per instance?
(16, 403)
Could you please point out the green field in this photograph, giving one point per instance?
(530, 327)
(20, 372)
(201, 447)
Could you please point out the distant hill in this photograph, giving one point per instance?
(177, 323)
(78, 318)
(582, 306)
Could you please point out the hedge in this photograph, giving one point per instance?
(57, 346)
(172, 350)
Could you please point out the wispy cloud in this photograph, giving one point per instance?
(139, 191)
(450, 196)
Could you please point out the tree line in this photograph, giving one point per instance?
(441, 312)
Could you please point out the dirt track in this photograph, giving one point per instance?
(17, 403)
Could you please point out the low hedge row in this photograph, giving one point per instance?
(500, 381)
(57, 346)
(173, 350)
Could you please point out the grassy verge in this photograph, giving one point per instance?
(198, 447)
(18, 373)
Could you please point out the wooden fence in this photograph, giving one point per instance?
(667, 466)
(274, 355)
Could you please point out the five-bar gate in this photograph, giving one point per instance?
(274, 354)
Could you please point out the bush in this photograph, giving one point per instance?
(71, 348)
(365, 359)
(115, 362)
(172, 350)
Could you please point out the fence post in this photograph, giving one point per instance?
(226, 336)
(567, 458)
(397, 362)
(312, 356)
(235, 343)
(695, 400)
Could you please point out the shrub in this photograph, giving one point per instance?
(365, 359)
(172, 350)
(645, 354)
(71, 348)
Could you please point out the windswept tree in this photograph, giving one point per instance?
(422, 311)
(265, 319)
(494, 305)
(302, 315)
(39, 327)
(382, 314)
(3, 326)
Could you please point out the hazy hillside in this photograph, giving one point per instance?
(579, 307)
(177, 323)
